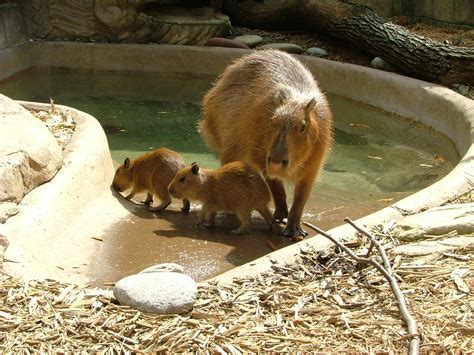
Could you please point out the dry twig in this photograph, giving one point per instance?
(386, 271)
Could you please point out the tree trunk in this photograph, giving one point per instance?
(409, 53)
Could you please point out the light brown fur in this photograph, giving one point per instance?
(234, 188)
(267, 110)
(151, 172)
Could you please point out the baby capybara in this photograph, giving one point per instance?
(234, 188)
(151, 172)
(267, 110)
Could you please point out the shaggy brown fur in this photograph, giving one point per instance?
(267, 110)
(234, 188)
(151, 172)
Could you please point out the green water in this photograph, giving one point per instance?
(376, 154)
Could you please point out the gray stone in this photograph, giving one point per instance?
(29, 153)
(7, 210)
(428, 247)
(437, 221)
(317, 52)
(462, 89)
(379, 63)
(157, 292)
(249, 40)
(166, 267)
(286, 47)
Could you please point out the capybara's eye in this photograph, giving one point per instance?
(303, 127)
(182, 179)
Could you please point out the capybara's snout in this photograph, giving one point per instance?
(172, 191)
(278, 158)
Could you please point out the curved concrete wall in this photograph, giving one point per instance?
(439, 107)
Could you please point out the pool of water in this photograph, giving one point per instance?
(377, 160)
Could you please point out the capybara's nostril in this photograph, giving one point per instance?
(278, 161)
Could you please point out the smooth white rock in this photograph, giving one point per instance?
(157, 292)
(437, 221)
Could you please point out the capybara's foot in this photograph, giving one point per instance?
(280, 214)
(295, 232)
(205, 224)
(186, 206)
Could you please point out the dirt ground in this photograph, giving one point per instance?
(339, 51)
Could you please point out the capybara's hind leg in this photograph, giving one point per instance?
(161, 206)
(186, 205)
(267, 215)
(245, 220)
(279, 199)
(165, 198)
(131, 194)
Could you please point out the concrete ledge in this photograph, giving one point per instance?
(434, 105)
(15, 59)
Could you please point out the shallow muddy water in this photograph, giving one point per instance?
(378, 159)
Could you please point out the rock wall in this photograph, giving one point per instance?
(29, 154)
(121, 21)
(12, 27)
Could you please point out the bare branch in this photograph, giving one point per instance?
(373, 241)
(387, 273)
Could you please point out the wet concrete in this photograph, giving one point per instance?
(144, 238)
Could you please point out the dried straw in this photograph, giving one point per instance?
(323, 302)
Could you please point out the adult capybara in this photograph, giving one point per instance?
(151, 172)
(234, 188)
(267, 110)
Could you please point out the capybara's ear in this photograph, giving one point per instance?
(126, 163)
(195, 168)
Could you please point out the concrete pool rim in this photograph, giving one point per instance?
(437, 106)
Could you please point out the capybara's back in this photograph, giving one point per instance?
(267, 110)
(151, 172)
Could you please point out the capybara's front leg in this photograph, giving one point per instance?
(302, 191)
(279, 199)
(186, 205)
(206, 217)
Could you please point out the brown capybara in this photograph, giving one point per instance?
(267, 110)
(234, 188)
(151, 172)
